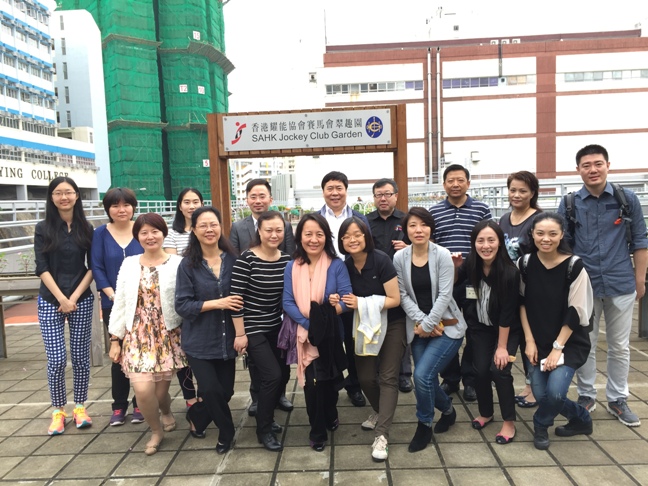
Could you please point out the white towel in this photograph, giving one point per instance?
(369, 325)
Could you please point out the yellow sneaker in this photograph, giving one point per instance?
(57, 427)
(81, 418)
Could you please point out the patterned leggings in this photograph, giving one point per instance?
(52, 326)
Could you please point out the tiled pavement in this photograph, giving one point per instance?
(614, 454)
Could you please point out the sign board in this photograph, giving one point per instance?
(350, 128)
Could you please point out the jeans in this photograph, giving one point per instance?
(550, 390)
(431, 355)
(456, 372)
(618, 324)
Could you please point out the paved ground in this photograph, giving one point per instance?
(614, 454)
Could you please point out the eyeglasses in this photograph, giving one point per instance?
(205, 226)
(354, 236)
(66, 194)
(386, 195)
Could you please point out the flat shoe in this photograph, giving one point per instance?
(502, 439)
(151, 449)
(524, 404)
(477, 425)
(519, 398)
(169, 427)
(223, 448)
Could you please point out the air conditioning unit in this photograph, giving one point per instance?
(504, 41)
(515, 41)
(494, 42)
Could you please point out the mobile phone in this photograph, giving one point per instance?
(561, 361)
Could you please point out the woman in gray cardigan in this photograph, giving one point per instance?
(435, 326)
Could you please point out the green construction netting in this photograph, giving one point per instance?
(136, 161)
(132, 82)
(182, 21)
(187, 93)
(219, 89)
(216, 25)
(187, 149)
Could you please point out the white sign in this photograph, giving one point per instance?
(196, 35)
(205, 162)
(307, 130)
(201, 90)
(184, 88)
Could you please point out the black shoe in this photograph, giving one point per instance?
(469, 393)
(540, 438)
(422, 437)
(317, 446)
(405, 384)
(357, 399)
(285, 404)
(222, 448)
(276, 428)
(270, 442)
(193, 430)
(253, 409)
(444, 423)
(449, 388)
(574, 427)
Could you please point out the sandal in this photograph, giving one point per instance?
(478, 425)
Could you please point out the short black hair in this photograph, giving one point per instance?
(117, 195)
(383, 182)
(266, 216)
(453, 167)
(419, 212)
(591, 150)
(335, 176)
(344, 227)
(257, 182)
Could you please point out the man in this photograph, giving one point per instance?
(598, 236)
(454, 220)
(336, 210)
(385, 224)
(242, 235)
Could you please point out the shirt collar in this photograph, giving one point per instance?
(584, 193)
(346, 212)
(467, 204)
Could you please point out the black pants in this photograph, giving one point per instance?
(484, 341)
(216, 381)
(272, 372)
(120, 385)
(255, 380)
(321, 404)
(455, 372)
(351, 382)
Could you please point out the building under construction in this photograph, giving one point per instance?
(165, 69)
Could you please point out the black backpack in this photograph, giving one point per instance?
(624, 211)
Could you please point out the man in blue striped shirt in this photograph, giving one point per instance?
(454, 220)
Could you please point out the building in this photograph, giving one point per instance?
(243, 171)
(79, 84)
(31, 153)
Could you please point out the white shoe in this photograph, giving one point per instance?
(380, 449)
(370, 423)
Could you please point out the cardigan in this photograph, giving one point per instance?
(126, 294)
(442, 278)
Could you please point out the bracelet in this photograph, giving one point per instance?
(242, 335)
(114, 340)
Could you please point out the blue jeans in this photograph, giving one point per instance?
(550, 390)
(431, 356)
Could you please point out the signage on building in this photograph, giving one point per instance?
(307, 130)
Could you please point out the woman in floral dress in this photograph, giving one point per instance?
(145, 318)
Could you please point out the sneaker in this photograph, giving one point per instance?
(575, 427)
(81, 418)
(118, 418)
(621, 411)
(137, 417)
(587, 402)
(57, 427)
(379, 449)
(370, 423)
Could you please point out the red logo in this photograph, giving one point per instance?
(239, 132)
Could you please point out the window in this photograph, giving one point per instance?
(63, 49)
(62, 24)
(23, 66)
(65, 72)
(47, 75)
(10, 153)
(67, 95)
(35, 71)
(91, 137)
(24, 96)
(68, 117)
(9, 60)
(20, 35)
(9, 121)
(6, 29)
(12, 93)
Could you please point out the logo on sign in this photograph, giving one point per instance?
(239, 132)
(374, 127)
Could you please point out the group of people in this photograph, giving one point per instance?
(351, 300)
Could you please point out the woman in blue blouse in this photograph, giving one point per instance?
(112, 243)
(210, 339)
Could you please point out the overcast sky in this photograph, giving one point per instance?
(274, 44)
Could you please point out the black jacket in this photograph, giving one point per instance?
(325, 333)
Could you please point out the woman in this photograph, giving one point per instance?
(523, 197)
(557, 339)
(62, 250)
(145, 320)
(490, 284)
(209, 337)
(112, 243)
(317, 276)
(176, 242)
(425, 279)
(375, 290)
(258, 277)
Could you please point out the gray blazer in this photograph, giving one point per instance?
(243, 235)
(442, 278)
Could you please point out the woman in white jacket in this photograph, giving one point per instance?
(435, 326)
(144, 317)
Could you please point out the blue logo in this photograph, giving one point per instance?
(374, 127)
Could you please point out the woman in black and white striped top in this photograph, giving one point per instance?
(258, 276)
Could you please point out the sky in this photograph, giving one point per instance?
(275, 44)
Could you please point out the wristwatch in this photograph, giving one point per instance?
(558, 346)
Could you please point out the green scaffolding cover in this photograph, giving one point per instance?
(187, 150)
(187, 93)
(182, 21)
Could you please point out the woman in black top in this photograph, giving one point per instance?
(557, 304)
(62, 250)
(209, 337)
(258, 277)
(490, 285)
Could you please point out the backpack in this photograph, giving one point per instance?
(624, 211)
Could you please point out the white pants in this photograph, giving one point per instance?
(618, 324)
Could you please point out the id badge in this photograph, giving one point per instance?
(470, 292)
